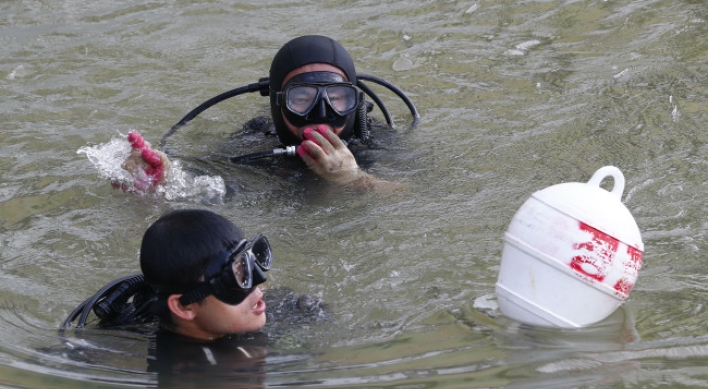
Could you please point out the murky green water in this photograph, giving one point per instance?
(514, 97)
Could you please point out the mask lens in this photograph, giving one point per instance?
(262, 253)
(242, 271)
(342, 98)
(301, 99)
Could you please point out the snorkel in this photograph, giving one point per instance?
(304, 50)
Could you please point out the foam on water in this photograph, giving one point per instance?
(179, 185)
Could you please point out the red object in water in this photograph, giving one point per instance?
(600, 251)
(154, 169)
(136, 140)
(599, 255)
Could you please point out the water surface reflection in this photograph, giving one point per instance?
(514, 97)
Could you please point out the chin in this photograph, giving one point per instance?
(257, 326)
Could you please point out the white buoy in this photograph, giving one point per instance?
(571, 255)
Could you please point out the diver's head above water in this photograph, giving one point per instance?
(313, 81)
(205, 274)
(312, 85)
(199, 279)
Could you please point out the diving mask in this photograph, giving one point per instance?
(318, 98)
(233, 275)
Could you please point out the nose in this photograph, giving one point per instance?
(258, 292)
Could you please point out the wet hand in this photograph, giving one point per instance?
(326, 155)
(147, 166)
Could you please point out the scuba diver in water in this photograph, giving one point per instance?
(199, 280)
(318, 108)
(200, 287)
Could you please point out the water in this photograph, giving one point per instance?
(514, 97)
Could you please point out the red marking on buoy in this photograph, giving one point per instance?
(636, 256)
(623, 286)
(631, 267)
(597, 256)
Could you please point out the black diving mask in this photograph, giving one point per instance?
(233, 275)
(318, 98)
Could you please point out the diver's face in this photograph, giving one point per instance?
(215, 319)
(314, 67)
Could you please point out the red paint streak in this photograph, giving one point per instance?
(599, 252)
(636, 256)
(623, 286)
(633, 266)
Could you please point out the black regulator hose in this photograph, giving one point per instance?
(288, 151)
(394, 89)
(377, 100)
(261, 85)
(84, 309)
(115, 301)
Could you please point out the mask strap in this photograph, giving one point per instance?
(212, 275)
(202, 291)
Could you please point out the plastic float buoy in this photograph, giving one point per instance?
(571, 255)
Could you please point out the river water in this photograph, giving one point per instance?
(515, 96)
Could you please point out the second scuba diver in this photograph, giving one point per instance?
(199, 279)
(199, 301)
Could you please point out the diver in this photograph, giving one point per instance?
(318, 109)
(198, 300)
(200, 279)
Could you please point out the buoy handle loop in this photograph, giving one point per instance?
(616, 175)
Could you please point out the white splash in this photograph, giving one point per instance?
(523, 47)
(675, 113)
(620, 74)
(486, 302)
(18, 71)
(472, 8)
(108, 158)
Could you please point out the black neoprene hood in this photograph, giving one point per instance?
(301, 51)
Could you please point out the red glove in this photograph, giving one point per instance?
(147, 166)
(327, 156)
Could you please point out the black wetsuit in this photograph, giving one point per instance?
(233, 361)
(236, 360)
